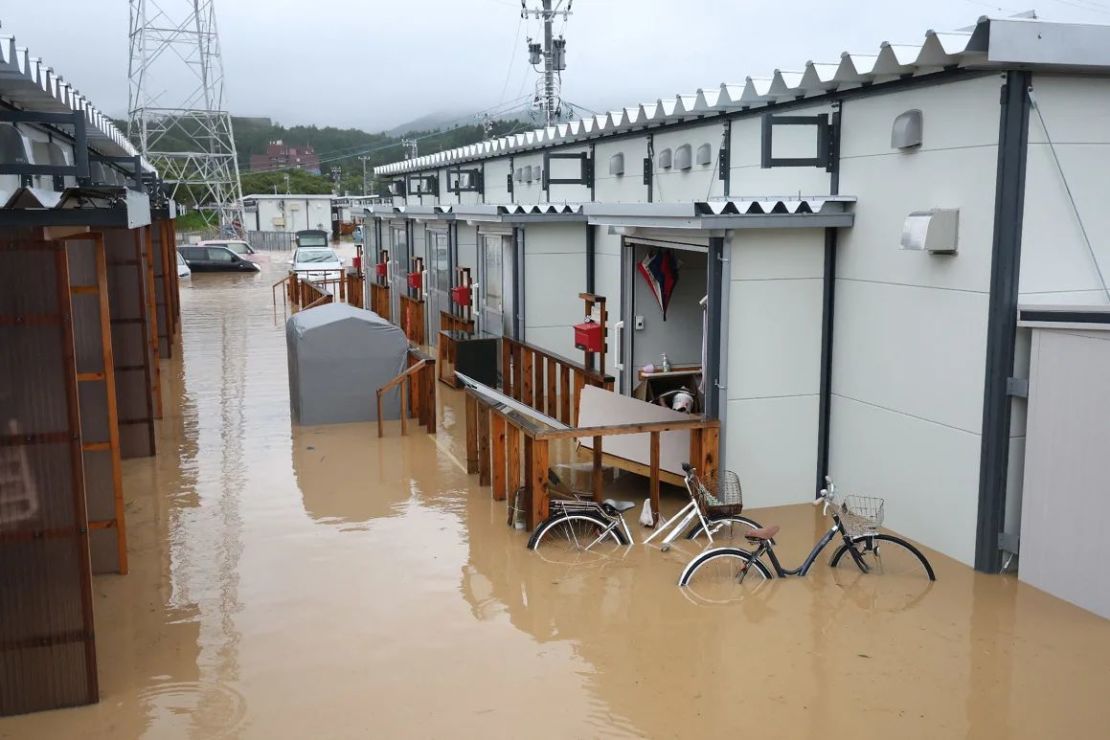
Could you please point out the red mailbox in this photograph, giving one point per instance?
(416, 281)
(356, 262)
(587, 337)
(460, 294)
(380, 269)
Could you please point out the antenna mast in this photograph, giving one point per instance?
(176, 114)
(552, 54)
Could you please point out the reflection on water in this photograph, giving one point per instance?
(320, 582)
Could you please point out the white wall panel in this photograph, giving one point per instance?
(1056, 264)
(496, 171)
(628, 188)
(528, 192)
(774, 355)
(771, 444)
(1065, 508)
(927, 472)
(468, 249)
(554, 275)
(913, 350)
(910, 327)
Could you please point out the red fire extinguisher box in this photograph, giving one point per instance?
(415, 281)
(587, 337)
(460, 294)
(380, 269)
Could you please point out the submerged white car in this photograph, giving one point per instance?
(316, 263)
(183, 270)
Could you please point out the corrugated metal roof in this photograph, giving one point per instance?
(31, 85)
(993, 42)
(816, 211)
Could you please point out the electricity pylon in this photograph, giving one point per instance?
(176, 114)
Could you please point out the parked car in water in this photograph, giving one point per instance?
(240, 247)
(316, 263)
(311, 238)
(183, 270)
(215, 258)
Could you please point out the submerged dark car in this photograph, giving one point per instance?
(215, 258)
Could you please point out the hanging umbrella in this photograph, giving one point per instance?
(660, 270)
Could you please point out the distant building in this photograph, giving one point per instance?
(281, 156)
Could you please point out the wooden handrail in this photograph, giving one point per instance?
(548, 355)
(492, 451)
(423, 403)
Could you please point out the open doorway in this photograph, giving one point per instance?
(399, 256)
(664, 321)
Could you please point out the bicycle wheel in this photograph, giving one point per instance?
(727, 531)
(885, 554)
(723, 574)
(577, 538)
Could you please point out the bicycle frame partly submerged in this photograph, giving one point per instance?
(849, 543)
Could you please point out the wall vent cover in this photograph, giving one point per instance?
(682, 157)
(906, 132)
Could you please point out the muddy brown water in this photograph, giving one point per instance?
(322, 583)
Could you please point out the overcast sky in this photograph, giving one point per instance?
(374, 64)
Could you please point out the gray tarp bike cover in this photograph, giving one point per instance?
(338, 357)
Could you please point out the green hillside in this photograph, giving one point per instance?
(341, 148)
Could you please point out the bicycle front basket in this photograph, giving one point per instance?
(861, 515)
(720, 494)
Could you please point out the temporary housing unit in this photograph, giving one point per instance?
(88, 305)
(288, 213)
(336, 352)
(862, 233)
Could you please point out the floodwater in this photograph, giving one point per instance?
(322, 583)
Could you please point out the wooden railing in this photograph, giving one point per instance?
(545, 381)
(494, 451)
(417, 390)
(379, 300)
(412, 319)
(302, 294)
(353, 287)
(450, 322)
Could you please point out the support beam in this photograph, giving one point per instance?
(1009, 205)
(824, 402)
(717, 273)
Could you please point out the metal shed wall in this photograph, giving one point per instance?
(134, 358)
(1065, 513)
(47, 649)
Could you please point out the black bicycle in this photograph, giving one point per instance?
(855, 518)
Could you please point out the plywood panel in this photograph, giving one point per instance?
(598, 407)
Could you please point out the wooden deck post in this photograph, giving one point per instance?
(512, 453)
(598, 483)
(537, 510)
(471, 434)
(497, 436)
(483, 445)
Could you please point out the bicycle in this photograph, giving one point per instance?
(578, 525)
(855, 518)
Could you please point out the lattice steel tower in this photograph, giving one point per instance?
(176, 104)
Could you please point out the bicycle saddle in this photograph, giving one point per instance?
(618, 506)
(763, 533)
